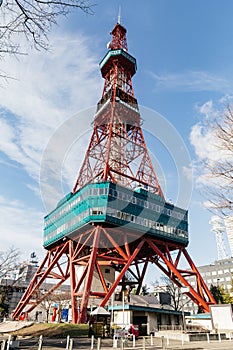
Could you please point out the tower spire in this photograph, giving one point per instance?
(119, 16)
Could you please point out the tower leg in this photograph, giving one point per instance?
(49, 268)
(73, 284)
(201, 296)
(91, 266)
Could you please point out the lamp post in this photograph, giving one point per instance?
(112, 306)
(123, 308)
(183, 290)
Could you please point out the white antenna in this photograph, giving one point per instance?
(119, 16)
(229, 230)
(218, 228)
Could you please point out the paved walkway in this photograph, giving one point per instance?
(224, 345)
(12, 326)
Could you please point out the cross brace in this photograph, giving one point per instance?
(97, 247)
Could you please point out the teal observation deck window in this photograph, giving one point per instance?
(113, 205)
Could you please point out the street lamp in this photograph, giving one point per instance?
(183, 290)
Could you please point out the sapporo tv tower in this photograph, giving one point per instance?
(116, 218)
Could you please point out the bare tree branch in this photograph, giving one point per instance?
(9, 261)
(174, 291)
(220, 171)
(33, 19)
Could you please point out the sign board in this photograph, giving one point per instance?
(222, 317)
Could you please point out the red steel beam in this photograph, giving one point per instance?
(40, 276)
(122, 273)
(90, 270)
(202, 283)
(181, 280)
(73, 284)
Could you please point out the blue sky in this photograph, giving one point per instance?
(184, 53)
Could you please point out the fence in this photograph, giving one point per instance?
(34, 344)
(143, 343)
(90, 344)
(189, 328)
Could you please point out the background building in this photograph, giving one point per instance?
(218, 273)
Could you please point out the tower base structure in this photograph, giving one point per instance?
(130, 259)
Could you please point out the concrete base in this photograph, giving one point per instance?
(191, 337)
(204, 336)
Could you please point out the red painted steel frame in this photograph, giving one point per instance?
(117, 143)
(49, 268)
(117, 150)
(87, 251)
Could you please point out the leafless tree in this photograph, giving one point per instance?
(9, 261)
(60, 298)
(33, 19)
(220, 171)
(176, 296)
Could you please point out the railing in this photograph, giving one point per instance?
(189, 328)
(170, 327)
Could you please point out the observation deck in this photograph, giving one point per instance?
(122, 56)
(114, 206)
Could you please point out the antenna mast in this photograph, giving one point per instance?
(119, 15)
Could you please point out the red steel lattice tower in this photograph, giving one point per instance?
(117, 141)
(101, 223)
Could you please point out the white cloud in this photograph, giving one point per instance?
(63, 157)
(48, 88)
(204, 141)
(203, 134)
(7, 140)
(192, 81)
(21, 226)
(206, 108)
(188, 172)
(207, 146)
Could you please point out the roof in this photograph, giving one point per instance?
(100, 311)
(152, 309)
(145, 300)
(146, 303)
(200, 316)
